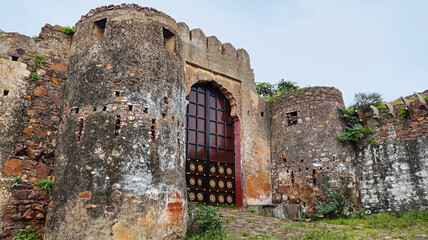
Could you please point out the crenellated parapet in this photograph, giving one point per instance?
(404, 118)
(211, 54)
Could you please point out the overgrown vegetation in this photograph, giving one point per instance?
(268, 90)
(37, 62)
(1, 31)
(33, 76)
(402, 113)
(68, 31)
(46, 184)
(362, 101)
(337, 200)
(27, 234)
(354, 131)
(203, 220)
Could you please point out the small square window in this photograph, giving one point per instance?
(168, 40)
(98, 29)
(292, 118)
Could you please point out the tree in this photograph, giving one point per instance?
(268, 90)
(284, 86)
(362, 101)
(265, 89)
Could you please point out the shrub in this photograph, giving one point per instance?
(68, 31)
(337, 200)
(27, 234)
(1, 31)
(353, 134)
(362, 101)
(203, 219)
(402, 113)
(46, 184)
(349, 116)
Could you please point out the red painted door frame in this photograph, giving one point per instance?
(238, 173)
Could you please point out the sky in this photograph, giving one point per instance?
(354, 45)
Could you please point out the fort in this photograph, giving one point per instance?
(135, 114)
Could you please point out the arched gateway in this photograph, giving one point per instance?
(210, 150)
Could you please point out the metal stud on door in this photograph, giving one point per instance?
(209, 147)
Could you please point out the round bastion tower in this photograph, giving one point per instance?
(120, 156)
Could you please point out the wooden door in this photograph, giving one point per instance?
(210, 170)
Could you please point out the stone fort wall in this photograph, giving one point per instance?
(111, 100)
(305, 154)
(393, 171)
(30, 118)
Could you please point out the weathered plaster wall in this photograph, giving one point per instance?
(208, 60)
(35, 118)
(305, 154)
(12, 112)
(120, 155)
(393, 172)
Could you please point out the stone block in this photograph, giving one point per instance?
(13, 167)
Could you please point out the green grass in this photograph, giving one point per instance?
(212, 235)
(385, 220)
(324, 234)
(413, 224)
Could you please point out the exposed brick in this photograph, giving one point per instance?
(40, 91)
(13, 167)
(59, 67)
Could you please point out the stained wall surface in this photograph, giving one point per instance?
(393, 172)
(305, 154)
(209, 60)
(12, 111)
(120, 154)
(32, 110)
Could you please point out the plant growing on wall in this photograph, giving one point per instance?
(355, 131)
(354, 134)
(27, 234)
(33, 76)
(337, 200)
(46, 184)
(1, 31)
(68, 31)
(37, 62)
(15, 182)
